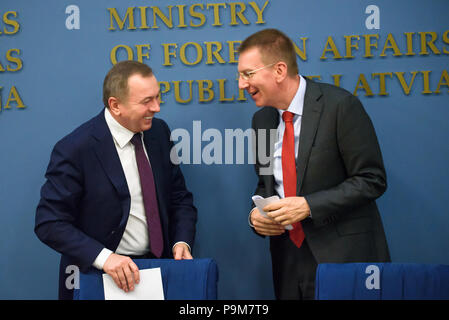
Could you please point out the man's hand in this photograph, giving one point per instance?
(181, 252)
(123, 270)
(265, 226)
(288, 210)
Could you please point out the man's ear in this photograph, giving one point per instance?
(113, 103)
(280, 70)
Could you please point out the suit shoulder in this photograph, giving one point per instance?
(159, 129)
(76, 138)
(330, 90)
(158, 126)
(265, 112)
(158, 123)
(334, 97)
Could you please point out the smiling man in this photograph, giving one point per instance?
(327, 168)
(112, 194)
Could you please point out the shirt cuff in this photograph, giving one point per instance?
(101, 258)
(190, 250)
(249, 218)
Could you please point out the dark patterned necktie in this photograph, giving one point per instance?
(149, 197)
(289, 172)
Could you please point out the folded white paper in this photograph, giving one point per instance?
(261, 202)
(148, 288)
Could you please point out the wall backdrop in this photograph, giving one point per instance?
(54, 55)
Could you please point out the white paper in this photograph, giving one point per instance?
(261, 202)
(148, 288)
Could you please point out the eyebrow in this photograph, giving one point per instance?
(151, 97)
(246, 71)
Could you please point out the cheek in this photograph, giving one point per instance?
(136, 115)
(133, 119)
(269, 92)
(260, 86)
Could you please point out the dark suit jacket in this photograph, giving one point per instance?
(85, 201)
(340, 173)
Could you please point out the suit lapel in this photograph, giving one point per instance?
(104, 147)
(270, 121)
(309, 125)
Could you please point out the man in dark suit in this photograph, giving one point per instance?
(109, 197)
(326, 166)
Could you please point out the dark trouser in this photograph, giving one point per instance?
(294, 269)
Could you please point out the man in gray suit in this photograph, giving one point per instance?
(327, 168)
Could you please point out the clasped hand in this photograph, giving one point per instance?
(280, 214)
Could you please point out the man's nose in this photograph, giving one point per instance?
(243, 84)
(155, 106)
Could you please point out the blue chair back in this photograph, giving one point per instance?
(382, 281)
(182, 279)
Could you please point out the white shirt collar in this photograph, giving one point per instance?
(297, 104)
(120, 134)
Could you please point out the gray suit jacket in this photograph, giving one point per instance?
(340, 172)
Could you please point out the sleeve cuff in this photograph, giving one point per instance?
(249, 218)
(190, 249)
(101, 258)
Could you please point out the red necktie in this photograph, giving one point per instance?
(289, 172)
(149, 197)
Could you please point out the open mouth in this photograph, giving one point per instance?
(148, 118)
(253, 93)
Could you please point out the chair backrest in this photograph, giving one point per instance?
(182, 279)
(382, 281)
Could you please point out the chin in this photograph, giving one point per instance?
(148, 126)
(259, 104)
